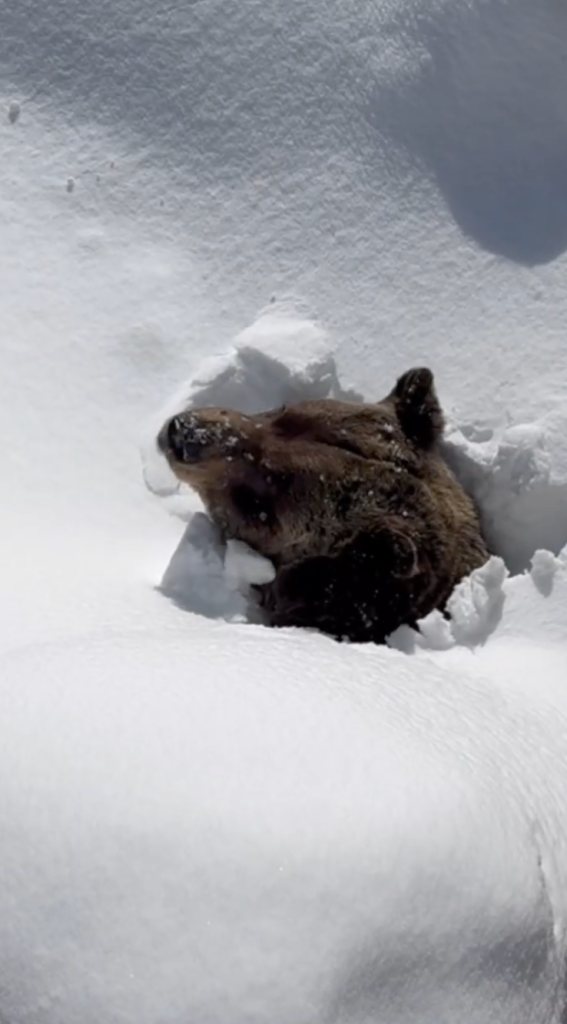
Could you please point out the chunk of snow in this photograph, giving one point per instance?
(245, 567)
(476, 603)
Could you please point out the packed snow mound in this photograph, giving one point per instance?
(210, 578)
(279, 828)
(518, 478)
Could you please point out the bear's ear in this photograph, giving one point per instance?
(417, 407)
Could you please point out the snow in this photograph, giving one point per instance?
(518, 477)
(202, 819)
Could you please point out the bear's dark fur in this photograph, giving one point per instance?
(365, 524)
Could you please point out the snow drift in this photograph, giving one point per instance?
(266, 827)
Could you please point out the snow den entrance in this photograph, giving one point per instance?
(518, 477)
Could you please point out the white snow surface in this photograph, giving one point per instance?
(203, 820)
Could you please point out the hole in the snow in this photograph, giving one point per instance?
(516, 483)
(518, 476)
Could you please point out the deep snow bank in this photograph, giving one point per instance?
(211, 824)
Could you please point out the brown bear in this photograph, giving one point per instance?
(365, 524)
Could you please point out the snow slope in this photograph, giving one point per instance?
(203, 820)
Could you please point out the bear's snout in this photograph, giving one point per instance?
(180, 440)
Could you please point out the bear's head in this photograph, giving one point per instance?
(352, 503)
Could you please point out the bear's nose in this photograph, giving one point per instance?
(179, 440)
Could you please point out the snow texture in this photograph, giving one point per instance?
(203, 820)
(518, 478)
